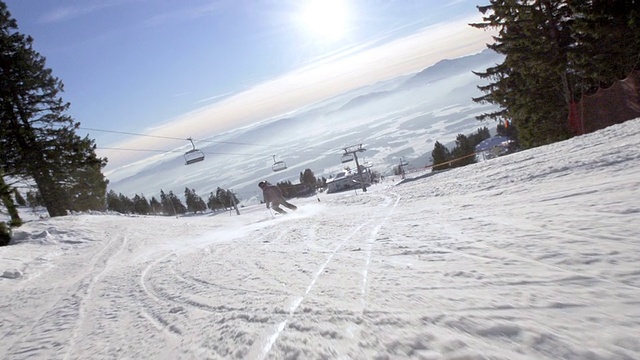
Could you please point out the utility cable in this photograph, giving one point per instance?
(185, 139)
(171, 151)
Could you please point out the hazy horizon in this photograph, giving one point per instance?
(392, 119)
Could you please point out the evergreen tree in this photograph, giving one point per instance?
(37, 139)
(155, 206)
(7, 201)
(607, 42)
(309, 178)
(479, 136)
(194, 202)
(189, 197)
(167, 205)
(113, 202)
(226, 198)
(223, 197)
(141, 205)
(213, 203)
(441, 157)
(555, 51)
(126, 203)
(171, 204)
(86, 186)
(532, 85)
(463, 151)
(119, 203)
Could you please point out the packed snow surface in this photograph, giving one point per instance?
(534, 255)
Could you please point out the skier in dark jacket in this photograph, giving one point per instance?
(273, 197)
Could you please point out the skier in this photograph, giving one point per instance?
(273, 197)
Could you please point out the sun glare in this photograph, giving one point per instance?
(325, 19)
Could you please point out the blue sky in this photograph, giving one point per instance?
(197, 67)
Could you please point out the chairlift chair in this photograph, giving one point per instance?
(278, 165)
(346, 158)
(194, 155)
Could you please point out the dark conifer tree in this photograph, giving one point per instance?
(532, 85)
(155, 206)
(171, 204)
(463, 151)
(441, 157)
(309, 178)
(141, 205)
(607, 42)
(226, 198)
(7, 201)
(37, 138)
(194, 202)
(213, 203)
(223, 197)
(480, 135)
(177, 203)
(126, 204)
(113, 202)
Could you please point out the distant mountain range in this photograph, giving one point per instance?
(439, 71)
(396, 119)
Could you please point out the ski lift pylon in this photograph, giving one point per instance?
(194, 155)
(278, 165)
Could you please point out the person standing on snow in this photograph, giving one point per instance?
(273, 197)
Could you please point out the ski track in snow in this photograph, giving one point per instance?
(102, 260)
(369, 251)
(68, 311)
(299, 300)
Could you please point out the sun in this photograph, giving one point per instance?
(325, 19)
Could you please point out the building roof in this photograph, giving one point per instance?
(491, 142)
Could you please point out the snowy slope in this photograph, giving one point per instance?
(529, 256)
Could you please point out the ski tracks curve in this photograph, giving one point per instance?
(55, 329)
(355, 248)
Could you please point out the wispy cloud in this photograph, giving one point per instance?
(213, 98)
(187, 13)
(454, 2)
(67, 13)
(377, 41)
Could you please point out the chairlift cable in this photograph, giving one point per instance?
(130, 133)
(182, 139)
(196, 155)
(172, 151)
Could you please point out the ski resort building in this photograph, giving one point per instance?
(347, 179)
(493, 147)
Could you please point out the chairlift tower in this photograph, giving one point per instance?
(403, 163)
(351, 152)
